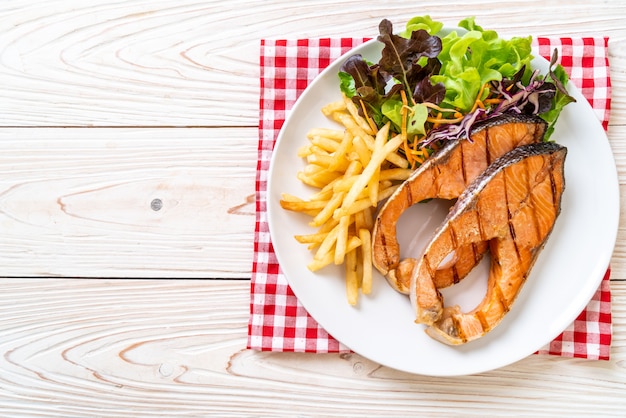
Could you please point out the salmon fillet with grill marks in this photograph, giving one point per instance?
(444, 176)
(512, 207)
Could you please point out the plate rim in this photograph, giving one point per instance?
(600, 271)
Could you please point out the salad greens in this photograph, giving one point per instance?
(433, 86)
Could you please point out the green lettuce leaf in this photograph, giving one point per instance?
(392, 109)
(417, 120)
(475, 58)
(421, 23)
(559, 77)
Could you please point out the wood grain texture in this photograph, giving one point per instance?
(77, 202)
(189, 63)
(112, 109)
(127, 348)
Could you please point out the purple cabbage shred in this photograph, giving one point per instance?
(516, 98)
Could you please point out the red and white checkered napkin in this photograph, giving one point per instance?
(278, 322)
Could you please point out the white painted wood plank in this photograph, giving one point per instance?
(176, 347)
(188, 63)
(77, 202)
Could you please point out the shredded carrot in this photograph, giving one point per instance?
(478, 102)
(407, 153)
(440, 109)
(445, 121)
(369, 120)
(437, 119)
(491, 101)
(403, 133)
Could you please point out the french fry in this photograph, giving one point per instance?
(354, 111)
(287, 197)
(397, 160)
(342, 239)
(302, 205)
(359, 220)
(352, 279)
(327, 144)
(353, 168)
(368, 215)
(359, 269)
(351, 125)
(326, 161)
(315, 240)
(337, 106)
(328, 210)
(328, 259)
(312, 169)
(336, 200)
(367, 174)
(328, 244)
(326, 132)
(305, 151)
(362, 150)
(395, 174)
(366, 260)
(342, 151)
(319, 179)
(364, 203)
(365, 192)
(345, 184)
(394, 158)
(372, 184)
(326, 192)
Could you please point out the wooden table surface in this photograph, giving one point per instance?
(110, 308)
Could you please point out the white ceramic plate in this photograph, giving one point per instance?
(381, 327)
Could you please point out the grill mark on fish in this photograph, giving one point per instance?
(483, 321)
(427, 264)
(481, 230)
(477, 257)
(508, 208)
(504, 303)
(510, 215)
(453, 238)
(535, 219)
(554, 189)
(384, 246)
(453, 241)
(463, 168)
(487, 151)
(512, 230)
(455, 275)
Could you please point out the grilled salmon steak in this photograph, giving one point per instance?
(512, 207)
(444, 176)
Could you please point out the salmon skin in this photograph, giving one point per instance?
(512, 207)
(444, 176)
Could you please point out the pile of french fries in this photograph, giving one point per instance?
(353, 168)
